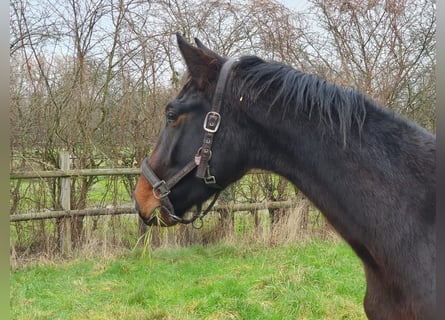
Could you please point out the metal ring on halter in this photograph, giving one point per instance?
(161, 188)
(198, 225)
(198, 153)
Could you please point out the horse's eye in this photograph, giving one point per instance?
(171, 117)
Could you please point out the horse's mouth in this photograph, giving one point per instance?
(149, 207)
(160, 217)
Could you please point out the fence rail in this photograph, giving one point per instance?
(128, 209)
(72, 173)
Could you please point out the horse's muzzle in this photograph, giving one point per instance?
(160, 216)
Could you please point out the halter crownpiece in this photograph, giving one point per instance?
(212, 121)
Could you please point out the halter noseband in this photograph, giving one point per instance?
(162, 188)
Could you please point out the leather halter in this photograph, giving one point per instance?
(162, 188)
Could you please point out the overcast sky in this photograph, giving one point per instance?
(295, 4)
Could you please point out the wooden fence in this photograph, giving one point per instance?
(65, 174)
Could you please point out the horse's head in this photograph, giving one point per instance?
(196, 152)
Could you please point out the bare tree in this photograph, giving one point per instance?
(384, 48)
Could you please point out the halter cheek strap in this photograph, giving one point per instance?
(212, 121)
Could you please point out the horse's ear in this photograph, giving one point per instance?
(202, 63)
(200, 44)
(203, 47)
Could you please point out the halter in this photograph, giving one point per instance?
(162, 188)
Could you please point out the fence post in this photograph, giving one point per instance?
(65, 203)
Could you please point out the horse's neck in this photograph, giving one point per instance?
(313, 160)
(355, 184)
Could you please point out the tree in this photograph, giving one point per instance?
(383, 48)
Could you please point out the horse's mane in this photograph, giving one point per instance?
(299, 92)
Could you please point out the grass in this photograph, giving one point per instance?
(315, 280)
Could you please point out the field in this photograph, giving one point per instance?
(313, 280)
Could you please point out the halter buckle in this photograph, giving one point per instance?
(160, 190)
(212, 121)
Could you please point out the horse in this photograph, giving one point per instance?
(369, 171)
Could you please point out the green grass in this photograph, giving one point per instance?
(317, 280)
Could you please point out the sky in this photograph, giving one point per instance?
(295, 4)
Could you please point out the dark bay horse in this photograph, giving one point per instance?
(369, 171)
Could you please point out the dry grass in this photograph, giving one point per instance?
(109, 236)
